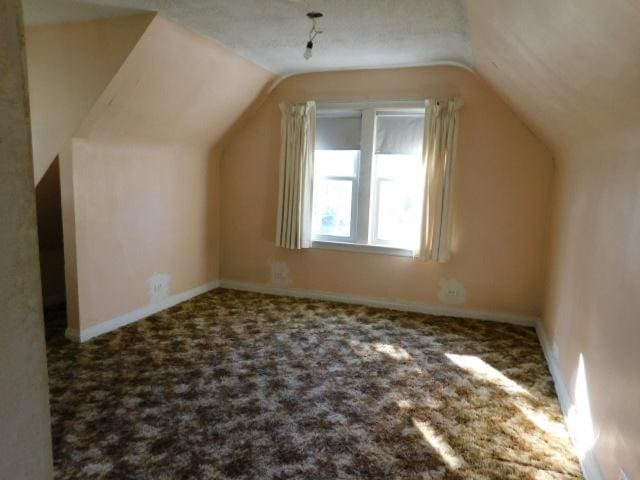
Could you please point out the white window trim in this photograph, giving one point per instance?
(362, 248)
(418, 105)
(375, 240)
(362, 239)
(364, 174)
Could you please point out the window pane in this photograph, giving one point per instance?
(332, 207)
(397, 220)
(398, 166)
(335, 163)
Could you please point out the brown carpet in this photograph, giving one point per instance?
(235, 385)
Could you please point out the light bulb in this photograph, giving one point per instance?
(308, 53)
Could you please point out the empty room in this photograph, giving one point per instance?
(320, 239)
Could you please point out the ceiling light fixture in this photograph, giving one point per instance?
(314, 16)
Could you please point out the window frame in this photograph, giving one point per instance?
(375, 239)
(362, 236)
(354, 207)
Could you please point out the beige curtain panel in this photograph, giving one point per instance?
(296, 170)
(440, 140)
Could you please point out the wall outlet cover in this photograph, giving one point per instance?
(159, 287)
(452, 292)
(280, 274)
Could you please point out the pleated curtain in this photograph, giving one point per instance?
(439, 150)
(293, 228)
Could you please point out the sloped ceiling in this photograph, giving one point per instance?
(175, 87)
(273, 33)
(564, 66)
(570, 69)
(64, 87)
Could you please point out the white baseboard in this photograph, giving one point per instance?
(589, 464)
(394, 304)
(139, 314)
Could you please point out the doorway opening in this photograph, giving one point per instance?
(51, 245)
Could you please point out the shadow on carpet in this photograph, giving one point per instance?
(234, 385)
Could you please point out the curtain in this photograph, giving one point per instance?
(439, 151)
(293, 228)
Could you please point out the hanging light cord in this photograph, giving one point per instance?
(314, 30)
(313, 33)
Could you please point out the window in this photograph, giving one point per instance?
(336, 173)
(367, 187)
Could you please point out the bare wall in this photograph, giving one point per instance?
(502, 183)
(572, 71)
(141, 177)
(591, 313)
(25, 441)
(69, 66)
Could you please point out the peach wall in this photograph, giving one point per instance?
(502, 185)
(571, 70)
(69, 66)
(141, 175)
(141, 209)
(593, 304)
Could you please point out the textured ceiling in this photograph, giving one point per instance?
(273, 33)
(39, 12)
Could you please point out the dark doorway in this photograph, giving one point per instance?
(50, 239)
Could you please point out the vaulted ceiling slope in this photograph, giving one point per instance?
(63, 86)
(561, 65)
(570, 69)
(175, 87)
(273, 33)
(136, 75)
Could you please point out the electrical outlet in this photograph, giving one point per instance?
(452, 291)
(159, 287)
(280, 274)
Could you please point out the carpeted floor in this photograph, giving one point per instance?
(235, 385)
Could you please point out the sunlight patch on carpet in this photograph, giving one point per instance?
(243, 386)
(484, 371)
(439, 444)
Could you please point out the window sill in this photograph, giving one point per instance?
(361, 248)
